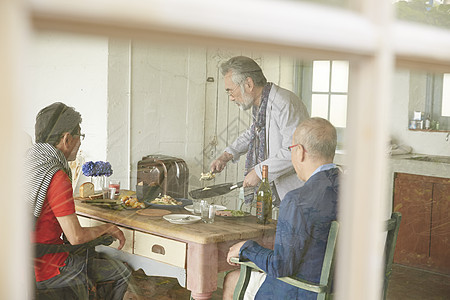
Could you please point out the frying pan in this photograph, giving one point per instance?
(215, 190)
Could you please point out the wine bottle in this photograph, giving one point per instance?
(427, 122)
(264, 199)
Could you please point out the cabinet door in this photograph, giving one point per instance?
(413, 198)
(440, 228)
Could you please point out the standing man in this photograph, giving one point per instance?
(276, 113)
(48, 180)
(303, 224)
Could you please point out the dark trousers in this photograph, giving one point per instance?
(103, 269)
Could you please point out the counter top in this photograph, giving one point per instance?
(403, 164)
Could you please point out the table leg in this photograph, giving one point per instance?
(202, 262)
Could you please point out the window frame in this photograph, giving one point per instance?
(367, 35)
(303, 87)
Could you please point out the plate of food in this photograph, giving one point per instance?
(168, 202)
(131, 202)
(191, 207)
(229, 213)
(181, 219)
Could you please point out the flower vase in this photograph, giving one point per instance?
(99, 182)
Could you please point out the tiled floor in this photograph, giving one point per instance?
(414, 284)
(161, 288)
(405, 284)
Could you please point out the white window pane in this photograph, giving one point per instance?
(338, 110)
(339, 76)
(446, 96)
(319, 106)
(321, 76)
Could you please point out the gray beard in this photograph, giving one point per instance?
(248, 102)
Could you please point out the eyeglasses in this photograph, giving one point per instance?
(230, 92)
(290, 147)
(81, 135)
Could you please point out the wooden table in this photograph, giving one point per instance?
(206, 245)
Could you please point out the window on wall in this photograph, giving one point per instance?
(437, 102)
(329, 91)
(445, 111)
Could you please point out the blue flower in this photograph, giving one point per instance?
(88, 169)
(99, 168)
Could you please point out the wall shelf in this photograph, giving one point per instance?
(428, 130)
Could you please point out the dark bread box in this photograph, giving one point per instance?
(171, 174)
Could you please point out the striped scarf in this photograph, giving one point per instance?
(42, 161)
(257, 148)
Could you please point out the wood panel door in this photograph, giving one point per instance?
(440, 228)
(413, 198)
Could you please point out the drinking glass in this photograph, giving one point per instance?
(114, 183)
(196, 206)
(208, 212)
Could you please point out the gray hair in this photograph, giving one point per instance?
(318, 136)
(55, 120)
(242, 67)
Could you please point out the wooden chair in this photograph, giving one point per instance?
(69, 293)
(323, 288)
(393, 225)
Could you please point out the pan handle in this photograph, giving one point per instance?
(237, 185)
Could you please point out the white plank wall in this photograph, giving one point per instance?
(160, 102)
(167, 96)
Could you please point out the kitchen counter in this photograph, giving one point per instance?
(404, 164)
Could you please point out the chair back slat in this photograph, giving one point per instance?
(329, 261)
(392, 227)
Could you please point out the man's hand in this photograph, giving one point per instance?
(115, 232)
(77, 235)
(234, 252)
(251, 179)
(219, 163)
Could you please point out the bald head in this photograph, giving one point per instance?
(318, 137)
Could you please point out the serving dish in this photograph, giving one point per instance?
(183, 201)
(181, 219)
(190, 208)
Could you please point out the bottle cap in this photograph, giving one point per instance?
(265, 171)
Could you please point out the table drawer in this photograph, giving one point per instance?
(160, 249)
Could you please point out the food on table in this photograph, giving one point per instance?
(207, 176)
(132, 202)
(96, 196)
(231, 213)
(86, 189)
(166, 200)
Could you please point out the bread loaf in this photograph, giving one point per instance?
(86, 189)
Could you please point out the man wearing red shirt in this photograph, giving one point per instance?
(49, 193)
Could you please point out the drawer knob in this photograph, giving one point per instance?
(158, 249)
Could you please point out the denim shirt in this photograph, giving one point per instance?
(305, 218)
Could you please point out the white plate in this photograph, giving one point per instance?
(178, 218)
(191, 207)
